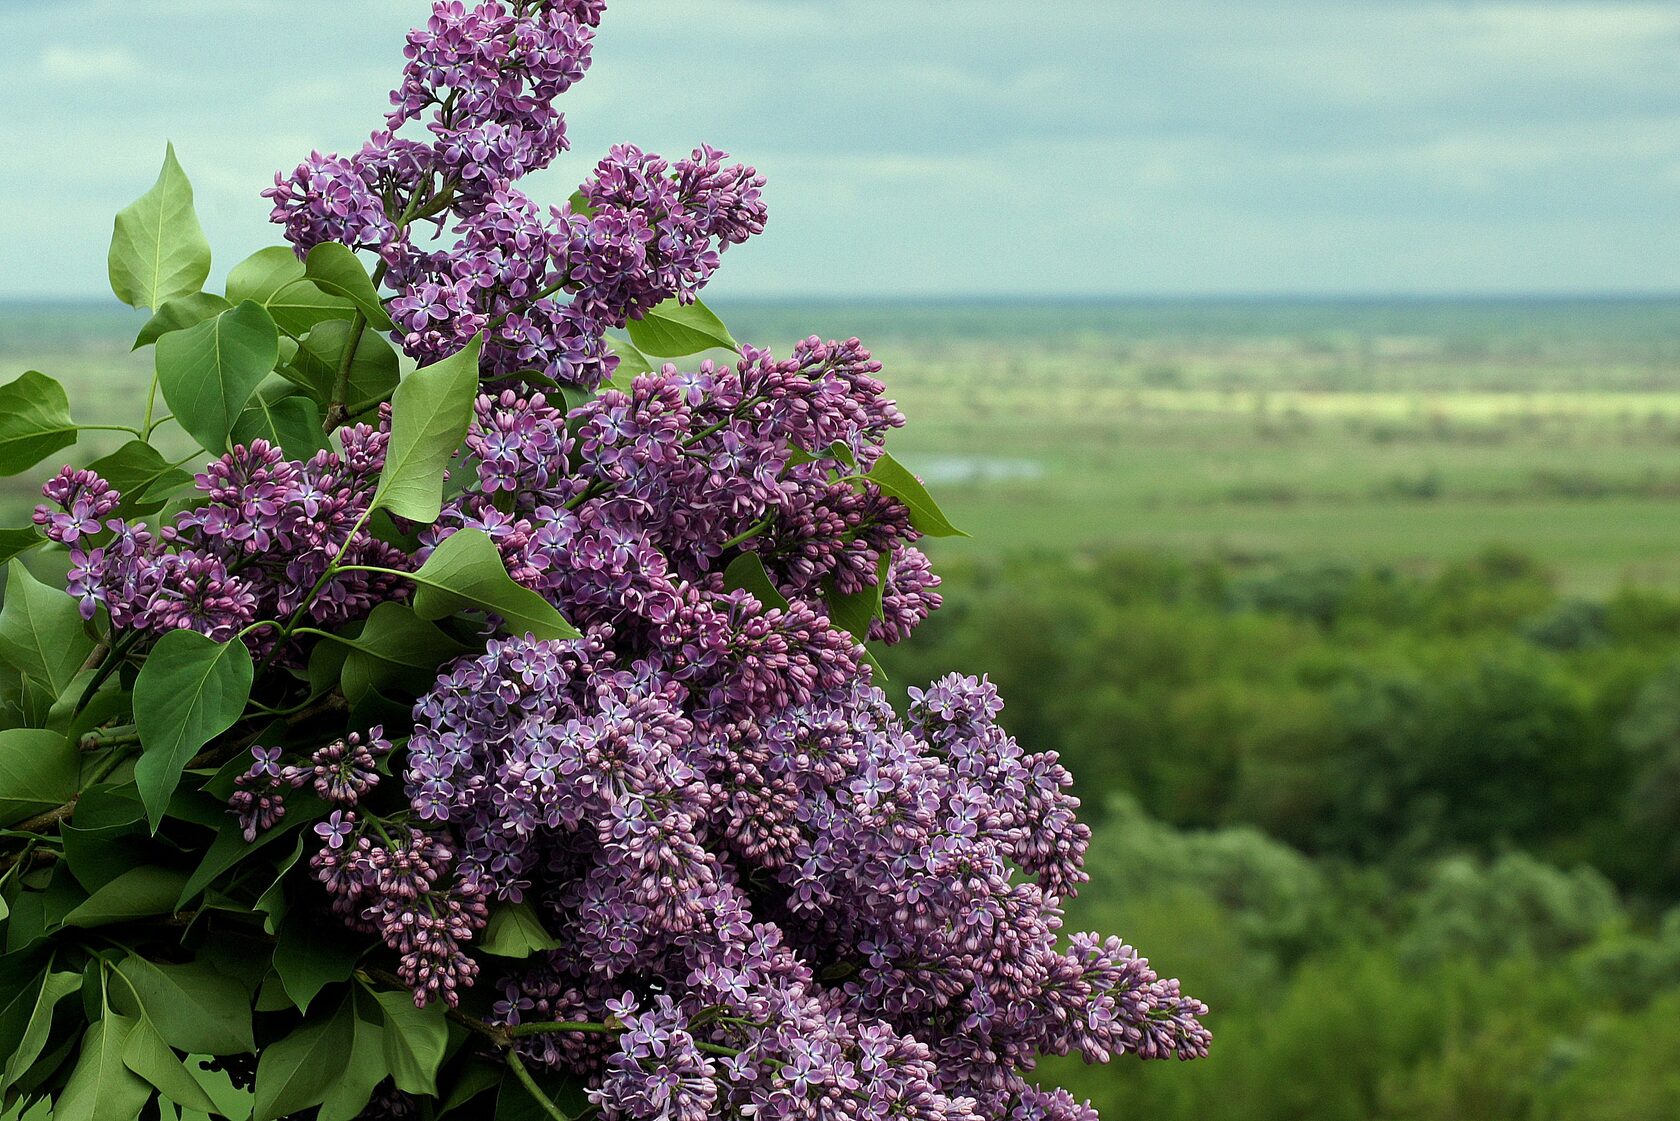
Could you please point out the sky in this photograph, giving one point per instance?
(939, 148)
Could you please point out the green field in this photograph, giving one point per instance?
(1405, 432)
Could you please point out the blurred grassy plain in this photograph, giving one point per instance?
(1359, 625)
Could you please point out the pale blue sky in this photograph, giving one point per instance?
(946, 147)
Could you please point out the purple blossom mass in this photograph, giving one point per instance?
(770, 895)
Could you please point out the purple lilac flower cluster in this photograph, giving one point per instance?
(772, 896)
(544, 288)
(266, 533)
(792, 901)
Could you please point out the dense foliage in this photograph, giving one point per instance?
(505, 726)
(1378, 945)
(1357, 713)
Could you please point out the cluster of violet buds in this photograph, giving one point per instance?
(478, 95)
(257, 548)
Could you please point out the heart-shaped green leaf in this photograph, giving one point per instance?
(208, 371)
(675, 329)
(467, 571)
(158, 249)
(190, 690)
(34, 421)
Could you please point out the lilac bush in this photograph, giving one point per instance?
(510, 725)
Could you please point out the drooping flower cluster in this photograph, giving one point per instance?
(266, 533)
(482, 82)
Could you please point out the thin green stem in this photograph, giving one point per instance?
(151, 403)
(135, 432)
(517, 1065)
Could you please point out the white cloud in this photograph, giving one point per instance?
(83, 64)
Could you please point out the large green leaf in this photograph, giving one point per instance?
(14, 542)
(364, 1066)
(415, 1041)
(675, 329)
(746, 572)
(631, 361)
(141, 475)
(194, 1007)
(190, 690)
(38, 772)
(208, 371)
(102, 1088)
(41, 998)
(41, 632)
(179, 314)
(136, 894)
(896, 480)
(148, 1055)
(393, 645)
(373, 370)
(158, 249)
(515, 931)
(291, 423)
(467, 571)
(274, 278)
(34, 421)
(335, 267)
(298, 1071)
(430, 412)
(310, 955)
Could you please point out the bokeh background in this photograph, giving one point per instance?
(1308, 375)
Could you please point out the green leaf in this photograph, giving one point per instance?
(675, 329)
(854, 612)
(274, 278)
(362, 1068)
(477, 1076)
(373, 370)
(631, 361)
(38, 772)
(98, 855)
(42, 998)
(515, 1103)
(272, 904)
(579, 202)
(336, 268)
(393, 645)
(311, 955)
(207, 372)
(138, 471)
(41, 631)
(747, 572)
(158, 249)
(292, 424)
(194, 1007)
(102, 1088)
(430, 412)
(147, 1055)
(136, 894)
(415, 1041)
(15, 542)
(34, 421)
(298, 1071)
(896, 480)
(179, 314)
(190, 690)
(515, 931)
(467, 571)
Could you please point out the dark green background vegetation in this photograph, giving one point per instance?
(1359, 626)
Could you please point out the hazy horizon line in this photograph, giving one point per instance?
(1582, 296)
